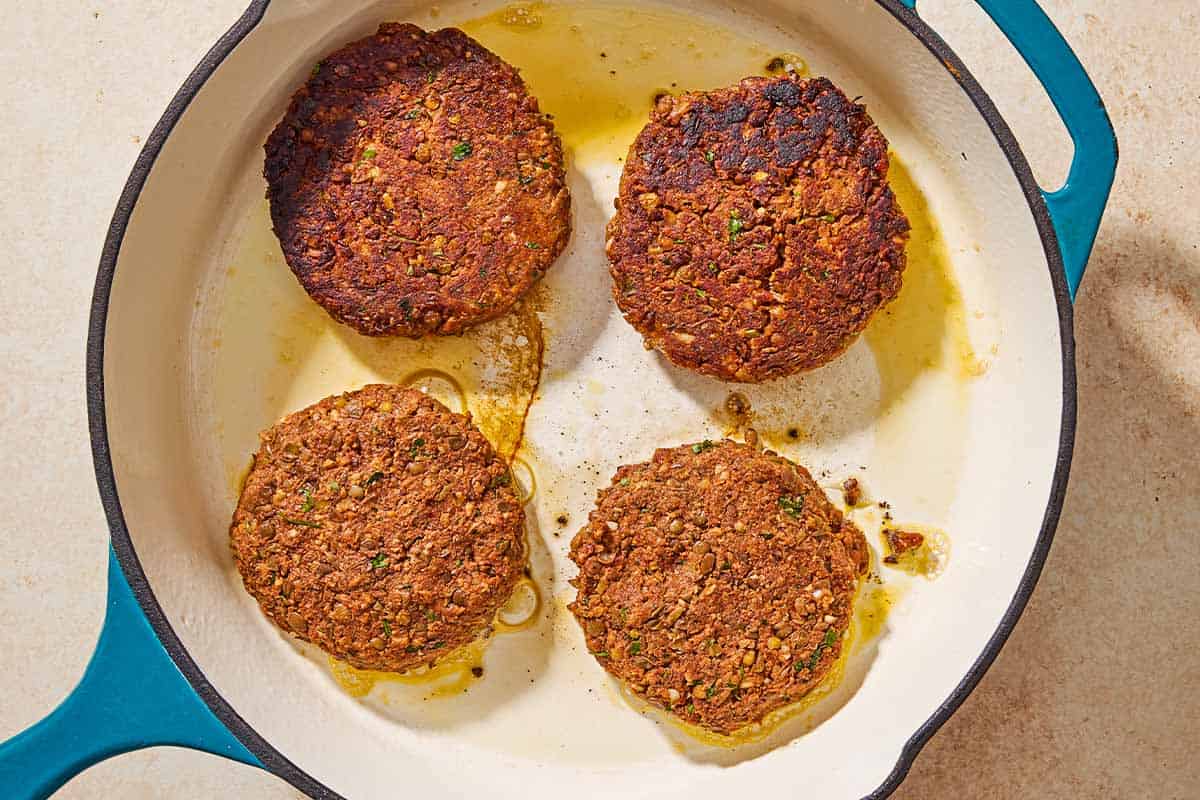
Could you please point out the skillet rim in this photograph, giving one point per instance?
(276, 762)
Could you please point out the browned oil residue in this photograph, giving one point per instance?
(927, 560)
(502, 416)
(735, 415)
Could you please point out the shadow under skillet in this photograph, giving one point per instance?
(1094, 695)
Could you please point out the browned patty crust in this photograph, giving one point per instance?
(379, 526)
(716, 581)
(414, 185)
(755, 232)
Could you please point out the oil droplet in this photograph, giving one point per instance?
(525, 480)
(440, 386)
(789, 64)
(522, 607)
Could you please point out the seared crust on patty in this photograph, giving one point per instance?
(379, 526)
(755, 232)
(716, 581)
(414, 185)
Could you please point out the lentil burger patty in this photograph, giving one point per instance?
(755, 232)
(414, 185)
(716, 581)
(379, 526)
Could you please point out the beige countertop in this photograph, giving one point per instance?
(1096, 695)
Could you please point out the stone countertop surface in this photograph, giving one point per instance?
(1097, 693)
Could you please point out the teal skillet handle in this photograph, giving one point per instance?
(1075, 209)
(131, 696)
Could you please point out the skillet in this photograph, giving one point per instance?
(198, 340)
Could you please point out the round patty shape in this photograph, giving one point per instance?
(755, 232)
(380, 526)
(414, 185)
(716, 581)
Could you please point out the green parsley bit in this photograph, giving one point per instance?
(601, 654)
(317, 68)
(368, 154)
(415, 450)
(635, 647)
(623, 481)
(387, 629)
(461, 151)
(735, 225)
(374, 477)
(379, 561)
(814, 659)
(525, 180)
(416, 112)
(828, 218)
(533, 245)
(792, 506)
(710, 156)
(302, 522)
(691, 708)
(700, 447)
(334, 486)
(308, 500)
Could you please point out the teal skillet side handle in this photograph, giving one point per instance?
(1076, 208)
(131, 696)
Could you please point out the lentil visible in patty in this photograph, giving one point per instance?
(414, 185)
(755, 232)
(716, 581)
(379, 526)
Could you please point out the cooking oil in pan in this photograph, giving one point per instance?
(276, 351)
(597, 67)
(454, 672)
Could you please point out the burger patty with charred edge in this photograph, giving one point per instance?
(414, 185)
(755, 232)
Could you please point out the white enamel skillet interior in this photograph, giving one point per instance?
(172, 404)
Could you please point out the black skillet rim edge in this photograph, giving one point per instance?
(122, 544)
(1066, 441)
